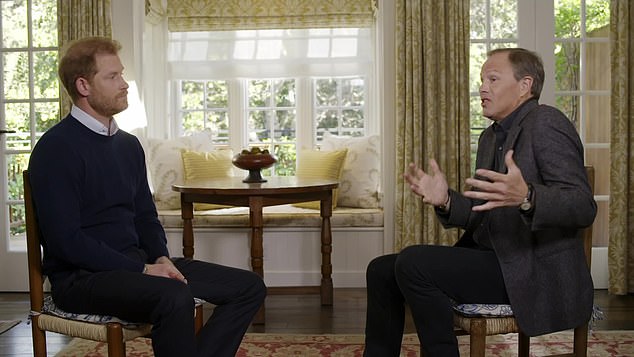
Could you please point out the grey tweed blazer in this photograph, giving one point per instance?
(541, 257)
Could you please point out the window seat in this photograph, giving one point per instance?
(275, 216)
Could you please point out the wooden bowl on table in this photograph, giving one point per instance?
(254, 161)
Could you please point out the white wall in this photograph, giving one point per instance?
(292, 256)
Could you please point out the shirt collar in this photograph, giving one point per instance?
(506, 123)
(93, 124)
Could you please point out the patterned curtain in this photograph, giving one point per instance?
(218, 15)
(432, 109)
(621, 244)
(78, 19)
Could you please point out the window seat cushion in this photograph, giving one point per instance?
(276, 216)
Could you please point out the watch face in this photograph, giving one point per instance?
(525, 206)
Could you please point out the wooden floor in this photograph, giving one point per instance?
(300, 314)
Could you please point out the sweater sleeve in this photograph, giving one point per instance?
(56, 173)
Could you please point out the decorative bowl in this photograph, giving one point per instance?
(254, 162)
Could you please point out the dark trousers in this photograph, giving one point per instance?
(169, 304)
(427, 278)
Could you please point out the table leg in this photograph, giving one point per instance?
(187, 212)
(257, 250)
(326, 250)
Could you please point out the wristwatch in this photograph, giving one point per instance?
(527, 205)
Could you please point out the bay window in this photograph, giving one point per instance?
(275, 89)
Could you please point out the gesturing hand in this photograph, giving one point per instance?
(431, 187)
(501, 189)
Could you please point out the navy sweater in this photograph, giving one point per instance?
(93, 203)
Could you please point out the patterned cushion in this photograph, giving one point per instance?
(166, 165)
(484, 310)
(361, 176)
(52, 309)
(315, 164)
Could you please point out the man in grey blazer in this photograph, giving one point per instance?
(522, 216)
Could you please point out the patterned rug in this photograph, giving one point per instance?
(7, 325)
(600, 343)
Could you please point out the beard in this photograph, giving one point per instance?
(108, 106)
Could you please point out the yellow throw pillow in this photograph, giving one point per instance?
(327, 165)
(206, 165)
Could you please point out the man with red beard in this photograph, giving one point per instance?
(528, 201)
(105, 251)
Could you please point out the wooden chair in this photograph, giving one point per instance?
(115, 334)
(481, 326)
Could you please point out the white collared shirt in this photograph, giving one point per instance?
(93, 124)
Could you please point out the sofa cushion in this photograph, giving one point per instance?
(275, 216)
(166, 165)
(361, 176)
(315, 164)
(206, 165)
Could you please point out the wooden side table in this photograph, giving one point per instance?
(276, 191)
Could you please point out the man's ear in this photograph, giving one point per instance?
(526, 84)
(83, 86)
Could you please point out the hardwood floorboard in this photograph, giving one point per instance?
(299, 314)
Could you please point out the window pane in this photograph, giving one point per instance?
(17, 118)
(478, 19)
(284, 124)
(16, 75)
(46, 115)
(503, 19)
(597, 14)
(44, 23)
(14, 24)
(15, 165)
(217, 94)
(285, 93)
(193, 122)
(478, 54)
(352, 92)
(286, 158)
(218, 122)
(192, 95)
(326, 92)
(566, 66)
(567, 18)
(597, 119)
(598, 64)
(352, 119)
(259, 93)
(45, 74)
(569, 104)
(259, 126)
(325, 121)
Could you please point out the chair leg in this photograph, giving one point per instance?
(39, 338)
(581, 341)
(198, 318)
(523, 345)
(477, 337)
(116, 345)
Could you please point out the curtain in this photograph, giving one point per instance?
(77, 19)
(218, 15)
(621, 212)
(432, 109)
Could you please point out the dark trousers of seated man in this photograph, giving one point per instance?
(427, 278)
(168, 304)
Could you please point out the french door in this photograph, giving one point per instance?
(29, 105)
(572, 37)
